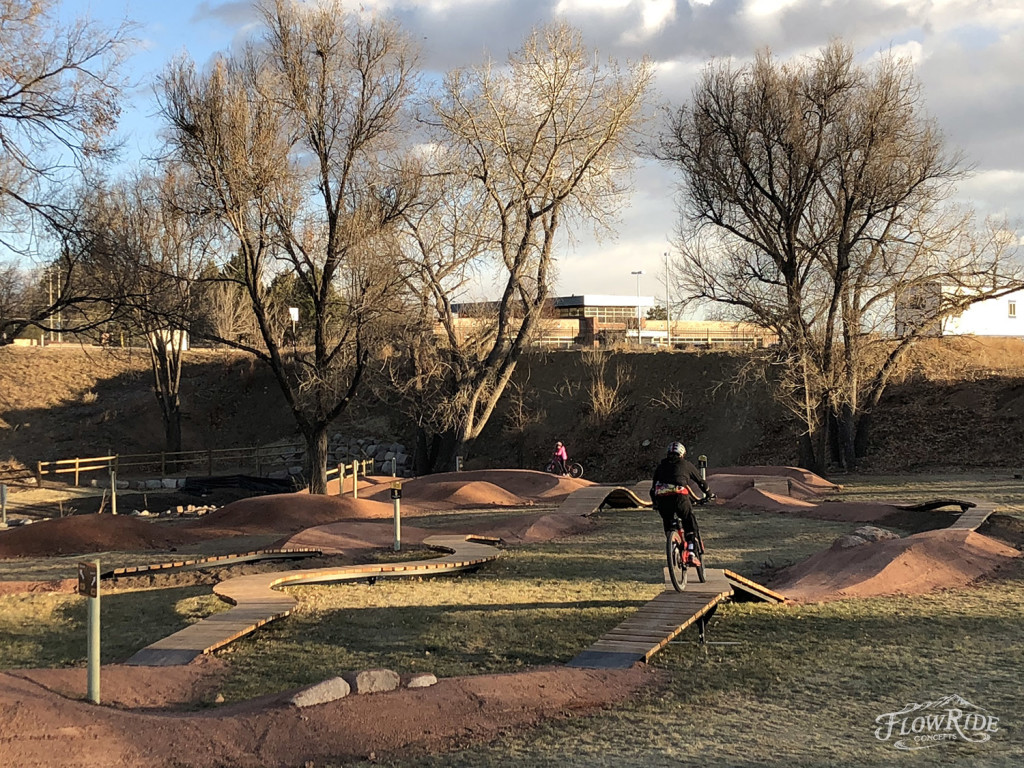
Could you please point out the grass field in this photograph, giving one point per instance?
(787, 685)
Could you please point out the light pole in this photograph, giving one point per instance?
(668, 312)
(637, 273)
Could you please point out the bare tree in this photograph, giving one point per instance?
(526, 150)
(294, 146)
(60, 88)
(813, 202)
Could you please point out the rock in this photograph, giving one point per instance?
(281, 474)
(847, 541)
(322, 693)
(373, 680)
(170, 483)
(422, 680)
(154, 485)
(140, 485)
(874, 533)
(401, 458)
(295, 469)
(179, 509)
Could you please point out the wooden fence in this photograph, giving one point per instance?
(259, 458)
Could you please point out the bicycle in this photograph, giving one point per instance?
(572, 469)
(684, 552)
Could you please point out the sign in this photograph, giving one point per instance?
(396, 490)
(89, 579)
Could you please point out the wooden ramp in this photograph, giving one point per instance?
(657, 623)
(972, 518)
(586, 501)
(744, 589)
(256, 602)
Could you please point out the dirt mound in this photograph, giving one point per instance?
(497, 487)
(88, 533)
(351, 537)
(912, 565)
(755, 498)
(841, 511)
(803, 476)
(290, 512)
(268, 732)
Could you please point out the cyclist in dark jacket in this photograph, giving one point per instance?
(670, 490)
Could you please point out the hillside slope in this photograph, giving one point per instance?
(958, 403)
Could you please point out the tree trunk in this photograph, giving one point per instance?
(435, 452)
(847, 431)
(316, 458)
(862, 435)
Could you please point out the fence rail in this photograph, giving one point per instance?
(260, 458)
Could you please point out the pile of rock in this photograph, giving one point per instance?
(366, 681)
(863, 535)
(343, 449)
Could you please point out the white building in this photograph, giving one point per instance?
(990, 317)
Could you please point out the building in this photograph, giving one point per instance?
(595, 320)
(922, 307)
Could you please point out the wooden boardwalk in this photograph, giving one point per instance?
(256, 602)
(972, 519)
(292, 553)
(656, 624)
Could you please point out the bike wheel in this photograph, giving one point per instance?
(551, 468)
(575, 470)
(676, 564)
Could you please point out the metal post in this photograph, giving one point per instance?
(113, 489)
(396, 497)
(89, 585)
(3, 504)
(702, 464)
(394, 466)
(637, 273)
(355, 479)
(458, 463)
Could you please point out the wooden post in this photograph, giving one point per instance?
(163, 463)
(209, 462)
(341, 479)
(76, 470)
(39, 474)
(355, 479)
(258, 461)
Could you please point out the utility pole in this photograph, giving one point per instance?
(668, 312)
(637, 273)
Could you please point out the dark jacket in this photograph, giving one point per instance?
(676, 470)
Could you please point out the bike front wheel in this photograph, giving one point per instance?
(674, 552)
(575, 470)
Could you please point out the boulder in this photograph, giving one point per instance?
(874, 533)
(373, 680)
(322, 693)
(422, 680)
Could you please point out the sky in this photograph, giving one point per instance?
(968, 54)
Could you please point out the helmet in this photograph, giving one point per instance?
(677, 449)
(558, 444)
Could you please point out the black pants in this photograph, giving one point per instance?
(677, 505)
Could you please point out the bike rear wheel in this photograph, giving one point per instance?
(701, 576)
(674, 551)
(575, 470)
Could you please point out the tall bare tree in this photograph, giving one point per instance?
(60, 90)
(814, 201)
(526, 151)
(294, 148)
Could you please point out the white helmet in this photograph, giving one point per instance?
(678, 449)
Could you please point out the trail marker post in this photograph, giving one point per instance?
(396, 499)
(702, 464)
(89, 586)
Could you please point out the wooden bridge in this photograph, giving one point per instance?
(256, 602)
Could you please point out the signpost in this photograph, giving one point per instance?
(702, 464)
(396, 498)
(89, 586)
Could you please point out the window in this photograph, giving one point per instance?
(1012, 306)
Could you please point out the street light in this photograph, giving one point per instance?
(293, 312)
(637, 273)
(668, 312)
